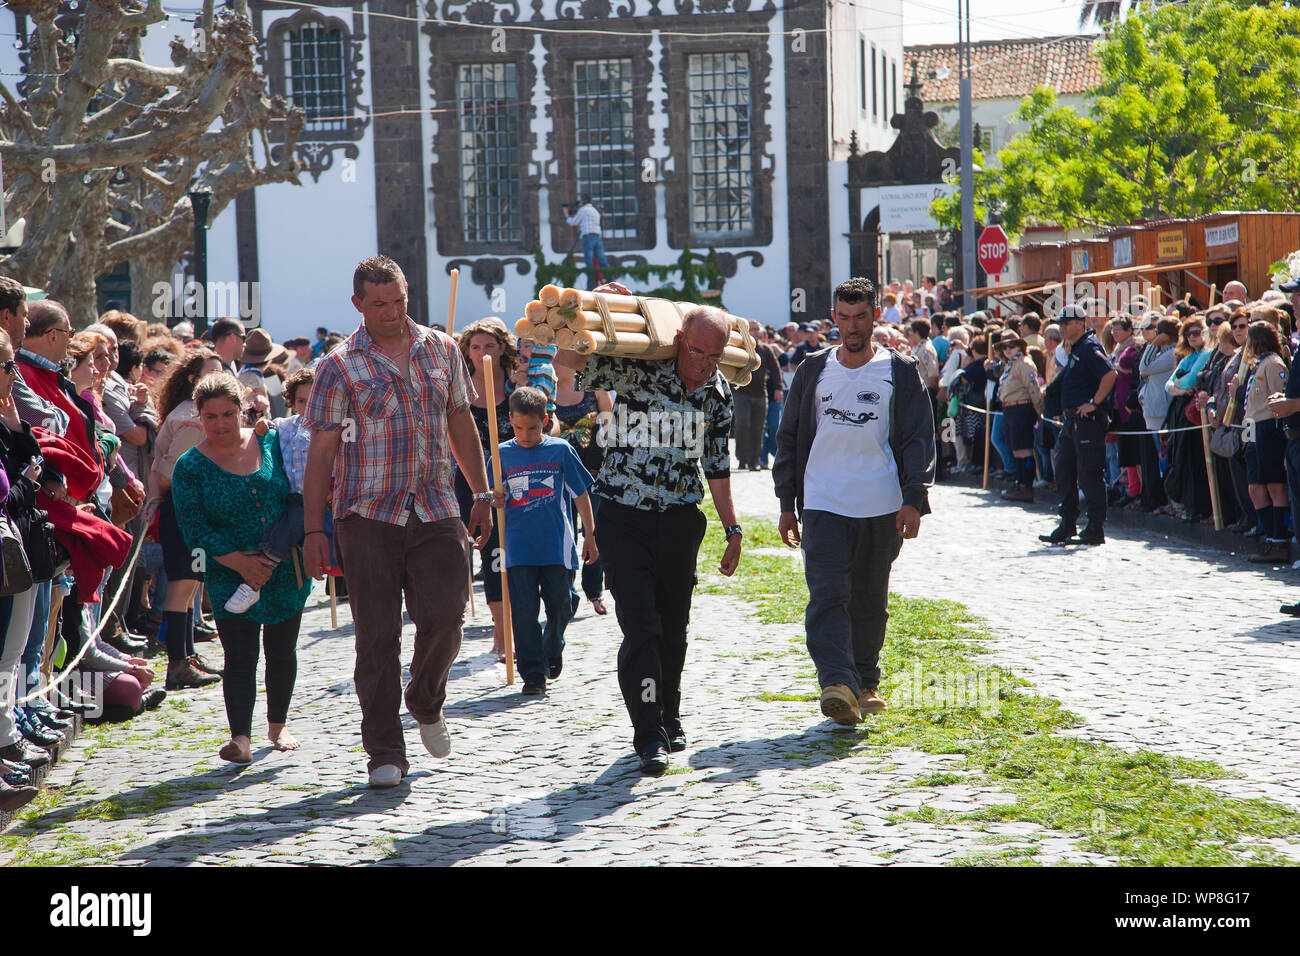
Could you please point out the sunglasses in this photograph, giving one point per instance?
(1243, 325)
(10, 367)
(1191, 332)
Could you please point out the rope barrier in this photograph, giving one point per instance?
(1060, 423)
(103, 619)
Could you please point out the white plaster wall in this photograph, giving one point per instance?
(310, 237)
(881, 27)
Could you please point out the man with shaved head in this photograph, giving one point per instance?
(672, 418)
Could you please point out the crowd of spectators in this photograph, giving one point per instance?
(96, 412)
(1178, 365)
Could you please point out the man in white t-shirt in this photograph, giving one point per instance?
(855, 456)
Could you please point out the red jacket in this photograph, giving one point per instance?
(81, 473)
(81, 430)
(94, 545)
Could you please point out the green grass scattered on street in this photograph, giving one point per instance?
(1139, 807)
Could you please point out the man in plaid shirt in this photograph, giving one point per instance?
(388, 411)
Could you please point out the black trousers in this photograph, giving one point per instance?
(1081, 464)
(1153, 485)
(239, 641)
(649, 559)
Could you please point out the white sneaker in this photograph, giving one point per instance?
(435, 737)
(389, 775)
(243, 598)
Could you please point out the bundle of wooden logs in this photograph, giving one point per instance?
(625, 325)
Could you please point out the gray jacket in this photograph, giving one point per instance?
(1155, 366)
(911, 432)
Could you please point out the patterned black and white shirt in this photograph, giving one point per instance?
(661, 434)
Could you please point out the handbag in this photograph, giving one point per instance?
(1191, 411)
(17, 572)
(44, 553)
(1226, 440)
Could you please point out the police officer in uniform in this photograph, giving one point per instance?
(1086, 384)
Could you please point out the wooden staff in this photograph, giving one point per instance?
(988, 437)
(490, 388)
(1211, 472)
(334, 604)
(451, 302)
(1213, 289)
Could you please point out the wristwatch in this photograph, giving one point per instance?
(483, 496)
(731, 531)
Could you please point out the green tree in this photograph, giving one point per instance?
(1195, 113)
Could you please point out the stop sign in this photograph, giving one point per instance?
(993, 249)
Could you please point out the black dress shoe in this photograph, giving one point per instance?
(654, 758)
(1061, 535)
(1092, 535)
(677, 740)
(125, 644)
(23, 752)
(534, 685)
(152, 698)
(1292, 609)
(557, 667)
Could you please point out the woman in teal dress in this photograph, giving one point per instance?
(227, 490)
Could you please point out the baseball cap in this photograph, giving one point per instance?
(1072, 312)
(808, 327)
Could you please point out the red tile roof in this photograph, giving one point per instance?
(1009, 68)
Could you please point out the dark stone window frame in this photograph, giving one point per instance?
(562, 53)
(676, 55)
(315, 147)
(450, 49)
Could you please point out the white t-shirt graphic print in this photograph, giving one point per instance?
(851, 469)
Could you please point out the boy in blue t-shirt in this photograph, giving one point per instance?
(540, 474)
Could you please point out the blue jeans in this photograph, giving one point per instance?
(1112, 463)
(533, 586)
(29, 668)
(769, 430)
(846, 564)
(999, 442)
(593, 250)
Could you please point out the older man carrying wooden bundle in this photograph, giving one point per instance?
(671, 418)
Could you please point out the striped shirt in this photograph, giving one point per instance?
(587, 219)
(395, 452)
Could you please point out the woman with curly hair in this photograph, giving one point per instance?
(180, 431)
(488, 340)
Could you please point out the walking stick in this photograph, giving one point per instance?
(451, 330)
(988, 435)
(1211, 473)
(490, 388)
(334, 607)
(1213, 289)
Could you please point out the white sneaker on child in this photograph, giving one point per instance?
(243, 598)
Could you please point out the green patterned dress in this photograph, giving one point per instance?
(219, 513)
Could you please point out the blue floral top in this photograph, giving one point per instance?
(219, 513)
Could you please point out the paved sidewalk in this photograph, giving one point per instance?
(1157, 644)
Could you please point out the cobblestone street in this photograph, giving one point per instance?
(1155, 645)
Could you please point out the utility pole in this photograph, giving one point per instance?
(968, 273)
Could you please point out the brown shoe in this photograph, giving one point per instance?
(1019, 492)
(839, 704)
(199, 664)
(181, 674)
(1271, 552)
(870, 701)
